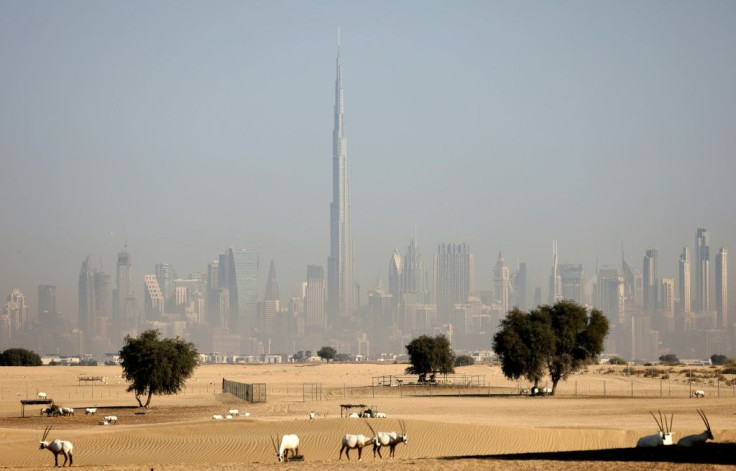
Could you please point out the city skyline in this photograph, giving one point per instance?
(516, 127)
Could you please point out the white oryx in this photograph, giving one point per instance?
(389, 439)
(57, 446)
(664, 437)
(698, 393)
(217, 417)
(233, 412)
(41, 395)
(288, 443)
(67, 411)
(699, 439)
(90, 410)
(112, 419)
(379, 415)
(354, 415)
(351, 442)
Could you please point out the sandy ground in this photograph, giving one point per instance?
(452, 428)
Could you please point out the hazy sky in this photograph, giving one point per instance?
(186, 128)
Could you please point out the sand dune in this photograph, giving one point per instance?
(178, 433)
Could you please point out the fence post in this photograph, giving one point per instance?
(604, 388)
(632, 388)
(660, 387)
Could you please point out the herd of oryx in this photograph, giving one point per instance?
(290, 442)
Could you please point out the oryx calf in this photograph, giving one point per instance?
(57, 446)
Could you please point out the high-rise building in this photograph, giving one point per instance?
(46, 301)
(701, 294)
(86, 292)
(340, 284)
(633, 283)
(414, 274)
(103, 304)
(649, 278)
(395, 270)
(154, 298)
(242, 272)
(165, 276)
(555, 283)
(125, 314)
(452, 278)
(16, 311)
(314, 299)
(572, 282)
(520, 286)
(667, 297)
(611, 295)
(684, 278)
(271, 291)
(501, 284)
(722, 289)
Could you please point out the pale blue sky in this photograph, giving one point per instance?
(190, 127)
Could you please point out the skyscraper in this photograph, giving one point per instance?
(651, 285)
(46, 301)
(395, 270)
(103, 304)
(701, 302)
(242, 282)
(520, 286)
(314, 299)
(165, 277)
(125, 316)
(452, 279)
(684, 287)
(153, 298)
(340, 284)
(572, 281)
(86, 291)
(722, 288)
(414, 273)
(501, 283)
(555, 283)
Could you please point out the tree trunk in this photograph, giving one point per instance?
(138, 398)
(148, 401)
(554, 387)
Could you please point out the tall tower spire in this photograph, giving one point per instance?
(340, 285)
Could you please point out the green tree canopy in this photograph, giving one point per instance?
(524, 343)
(19, 357)
(156, 365)
(430, 355)
(562, 338)
(327, 353)
(579, 338)
(669, 358)
(718, 359)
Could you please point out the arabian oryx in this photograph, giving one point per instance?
(389, 439)
(288, 443)
(351, 442)
(699, 439)
(664, 437)
(57, 446)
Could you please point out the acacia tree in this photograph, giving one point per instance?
(524, 343)
(19, 357)
(156, 365)
(327, 353)
(430, 355)
(560, 338)
(578, 336)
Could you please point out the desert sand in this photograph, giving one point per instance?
(487, 425)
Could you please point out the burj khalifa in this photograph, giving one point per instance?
(340, 284)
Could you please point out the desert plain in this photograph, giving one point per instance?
(477, 420)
